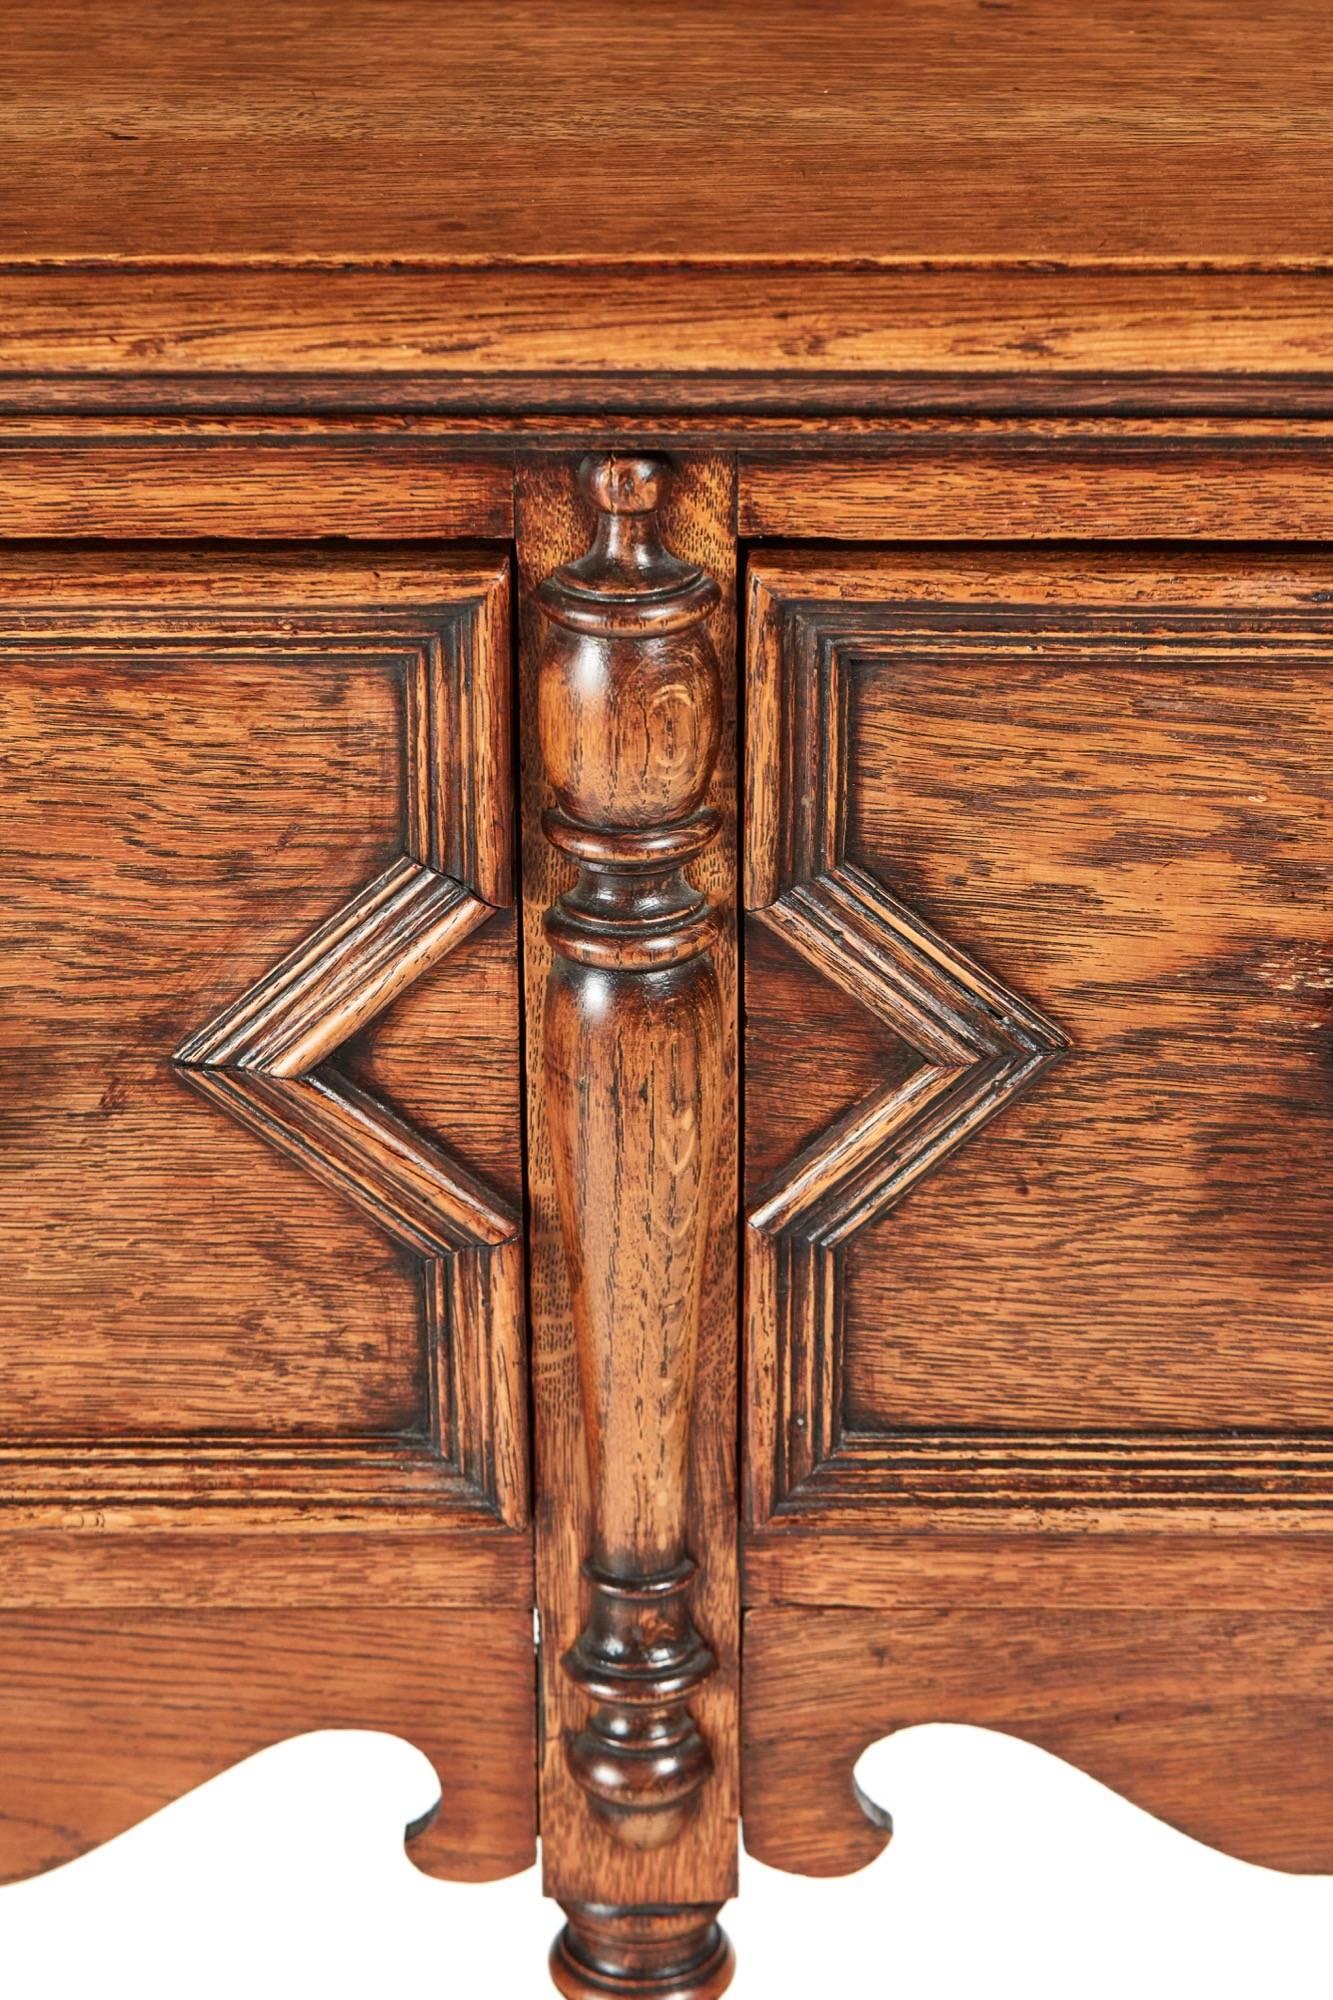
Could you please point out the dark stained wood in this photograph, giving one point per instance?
(1102, 782)
(252, 801)
(644, 1953)
(931, 132)
(105, 1719)
(1216, 1723)
(580, 1513)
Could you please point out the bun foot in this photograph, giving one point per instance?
(653, 1954)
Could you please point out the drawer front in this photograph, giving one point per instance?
(259, 1219)
(1039, 1001)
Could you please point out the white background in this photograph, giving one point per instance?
(1009, 1875)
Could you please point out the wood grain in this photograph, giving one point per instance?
(269, 486)
(931, 132)
(856, 477)
(1163, 1222)
(1183, 1549)
(104, 1720)
(629, 711)
(158, 854)
(208, 751)
(1217, 1724)
(812, 1053)
(583, 1863)
(1104, 781)
(941, 487)
(636, 339)
(1061, 1405)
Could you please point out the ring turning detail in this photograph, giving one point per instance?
(630, 715)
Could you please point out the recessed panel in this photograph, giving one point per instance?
(241, 851)
(174, 822)
(1059, 825)
(1142, 843)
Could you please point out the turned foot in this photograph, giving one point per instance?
(681, 1954)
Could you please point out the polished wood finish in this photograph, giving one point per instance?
(280, 481)
(1100, 777)
(678, 1954)
(264, 225)
(643, 339)
(1012, 481)
(848, 478)
(627, 697)
(106, 1718)
(1203, 1718)
(629, 714)
(931, 133)
(243, 759)
(304, 320)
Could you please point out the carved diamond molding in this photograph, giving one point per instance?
(266, 1058)
(981, 1045)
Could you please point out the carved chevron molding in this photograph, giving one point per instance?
(980, 1044)
(266, 1058)
(981, 1047)
(263, 1060)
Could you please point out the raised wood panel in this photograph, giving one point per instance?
(256, 802)
(1062, 824)
(449, 1069)
(104, 1720)
(1217, 1724)
(812, 1054)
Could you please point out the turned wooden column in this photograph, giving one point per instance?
(629, 709)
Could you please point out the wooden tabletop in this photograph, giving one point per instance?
(890, 131)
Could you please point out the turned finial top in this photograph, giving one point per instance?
(632, 484)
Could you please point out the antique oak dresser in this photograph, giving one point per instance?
(666, 964)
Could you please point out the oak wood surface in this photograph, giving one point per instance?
(629, 715)
(1011, 486)
(308, 1311)
(855, 478)
(374, 484)
(105, 1719)
(1214, 1722)
(1098, 784)
(936, 208)
(1181, 1551)
(583, 1863)
(932, 132)
(636, 339)
(1164, 1222)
